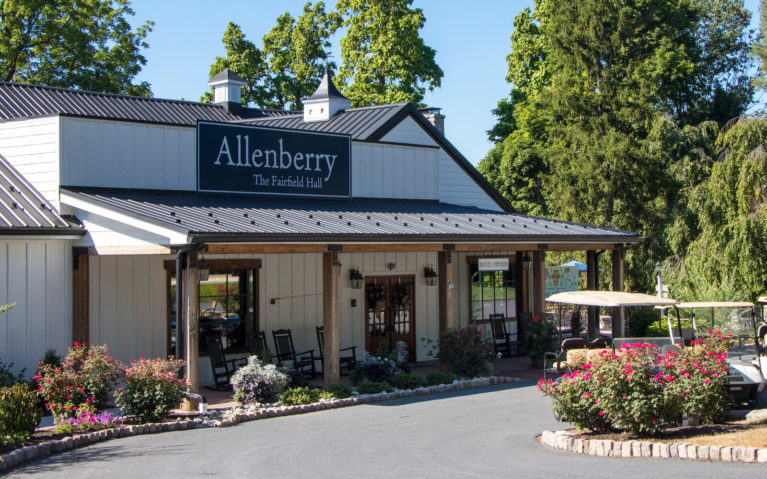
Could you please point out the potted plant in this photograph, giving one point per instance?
(539, 338)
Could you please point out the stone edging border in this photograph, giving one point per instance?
(230, 417)
(564, 440)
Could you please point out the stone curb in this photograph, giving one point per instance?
(565, 441)
(28, 453)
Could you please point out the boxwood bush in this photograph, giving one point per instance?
(434, 379)
(408, 381)
(373, 387)
(303, 395)
(19, 413)
(340, 391)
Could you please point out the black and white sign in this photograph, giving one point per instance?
(248, 159)
(493, 264)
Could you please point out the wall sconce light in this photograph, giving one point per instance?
(430, 275)
(356, 278)
(391, 266)
(527, 263)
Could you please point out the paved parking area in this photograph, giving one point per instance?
(478, 433)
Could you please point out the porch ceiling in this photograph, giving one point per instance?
(207, 218)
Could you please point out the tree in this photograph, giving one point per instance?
(245, 59)
(85, 44)
(725, 257)
(759, 47)
(594, 83)
(297, 52)
(384, 58)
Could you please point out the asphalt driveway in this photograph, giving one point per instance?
(485, 432)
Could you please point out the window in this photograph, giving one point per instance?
(493, 292)
(228, 297)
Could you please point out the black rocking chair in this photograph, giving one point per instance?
(222, 368)
(257, 345)
(284, 351)
(347, 360)
(501, 339)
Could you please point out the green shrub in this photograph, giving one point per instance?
(86, 376)
(372, 387)
(467, 352)
(539, 336)
(340, 391)
(152, 389)
(7, 378)
(302, 395)
(434, 379)
(375, 369)
(655, 331)
(640, 319)
(19, 413)
(408, 381)
(257, 383)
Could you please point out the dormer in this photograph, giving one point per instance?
(325, 102)
(227, 90)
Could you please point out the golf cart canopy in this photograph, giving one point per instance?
(711, 304)
(609, 299)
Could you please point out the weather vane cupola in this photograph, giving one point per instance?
(325, 102)
(227, 87)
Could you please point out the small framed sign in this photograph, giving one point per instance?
(234, 158)
(493, 264)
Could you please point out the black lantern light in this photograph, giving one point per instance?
(430, 275)
(356, 278)
(527, 263)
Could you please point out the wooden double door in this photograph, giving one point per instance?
(389, 313)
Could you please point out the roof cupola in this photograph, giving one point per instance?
(227, 90)
(325, 102)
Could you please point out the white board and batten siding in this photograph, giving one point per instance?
(394, 171)
(32, 147)
(458, 188)
(37, 276)
(114, 154)
(128, 300)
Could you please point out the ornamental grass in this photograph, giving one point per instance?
(642, 390)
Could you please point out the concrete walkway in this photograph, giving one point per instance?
(478, 433)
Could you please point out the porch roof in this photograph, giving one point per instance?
(205, 218)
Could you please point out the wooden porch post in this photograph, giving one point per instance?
(331, 269)
(80, 295)
(618, 275)
(192, 321)
(539, 282)
(592, 283)
(450, 320)
(442, 267)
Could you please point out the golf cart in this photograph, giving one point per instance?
(608, 299)
(746, 359)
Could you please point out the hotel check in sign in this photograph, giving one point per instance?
(248, 159)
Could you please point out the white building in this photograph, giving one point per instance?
(278, 210)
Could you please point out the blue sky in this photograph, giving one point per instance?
(472, 40)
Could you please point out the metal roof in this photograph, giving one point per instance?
(362, 124)
(227, 76)
(24, 101)
(235, 218)
(327, 89)
(23, 210)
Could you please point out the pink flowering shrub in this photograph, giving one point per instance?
(152, 388)
(641, 390)
(85, 378)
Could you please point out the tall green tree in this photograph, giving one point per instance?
(85, 44)
(297, 51)
(718, 246)
(759, 47)
(244, 58)
(385, 60)
(594, 83)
